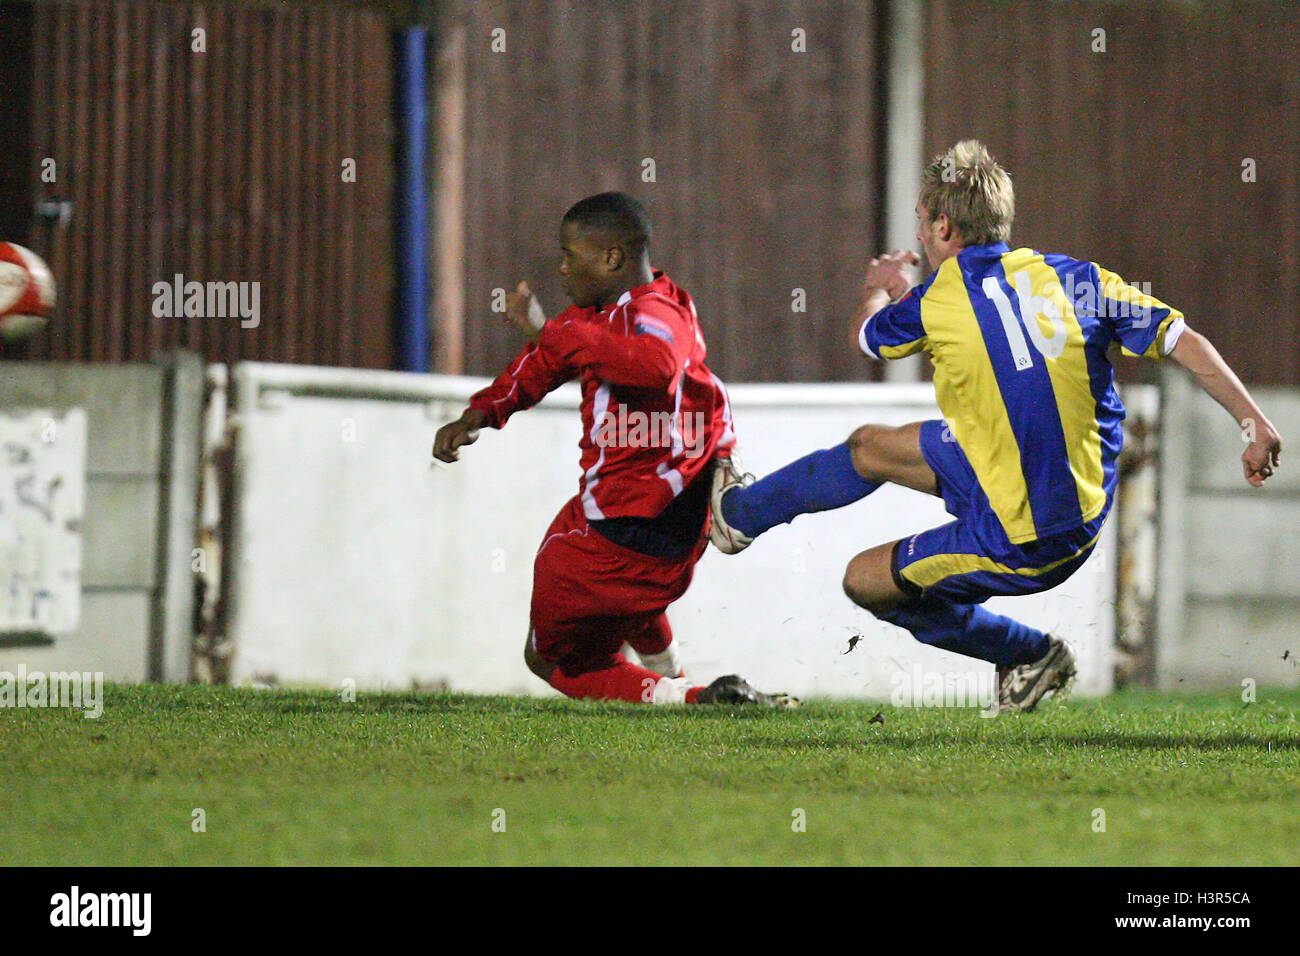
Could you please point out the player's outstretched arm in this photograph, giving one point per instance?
(536, 371)
(463, 431)
(1198, 355)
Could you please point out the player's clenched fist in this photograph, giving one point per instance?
(888, 279)
(893, 272)
(1263, 456)
(463, 431)
(524, 312)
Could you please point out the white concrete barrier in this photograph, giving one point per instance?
(121, 599)
(356, 558)
(42, 507)
(1228, 599)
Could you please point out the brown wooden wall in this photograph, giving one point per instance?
(221, 166)
(225, 166)
(1133, 157)
(766, 161)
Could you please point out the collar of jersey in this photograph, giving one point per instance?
(994, 250)
(660, 280)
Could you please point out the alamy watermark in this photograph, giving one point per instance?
(208, 300)
(686, 434)
(919, 687)
(77, 690)
(1131, 301)
(77, 908)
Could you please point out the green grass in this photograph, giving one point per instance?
(304, 778)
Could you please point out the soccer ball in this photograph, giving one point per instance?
(26, 292)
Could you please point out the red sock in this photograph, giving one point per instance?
(623, 681)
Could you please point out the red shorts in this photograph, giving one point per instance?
(591, 595)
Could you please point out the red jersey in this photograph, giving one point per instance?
(653, 415)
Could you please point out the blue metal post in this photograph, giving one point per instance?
(413, 239)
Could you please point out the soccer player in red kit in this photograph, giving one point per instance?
(653, 417)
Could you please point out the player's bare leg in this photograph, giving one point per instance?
(883, 453)
(869, 580)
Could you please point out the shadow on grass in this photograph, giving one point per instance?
(1200, 742)
(818, 724)
(378, 703)
(913, 739)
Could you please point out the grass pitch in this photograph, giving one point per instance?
(305, 778)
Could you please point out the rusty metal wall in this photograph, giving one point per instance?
(1133, 157)
(15, 98)
(222, 166)
(766, 161)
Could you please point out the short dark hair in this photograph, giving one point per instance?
(617, 214)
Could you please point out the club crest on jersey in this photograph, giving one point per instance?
(648, 326)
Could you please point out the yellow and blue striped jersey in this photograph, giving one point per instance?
(1019, 340)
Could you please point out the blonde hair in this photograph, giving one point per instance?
(972, 190)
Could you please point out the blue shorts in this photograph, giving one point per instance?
(971, 560)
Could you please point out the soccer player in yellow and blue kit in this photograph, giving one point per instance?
(1024, 457)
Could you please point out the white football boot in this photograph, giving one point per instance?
(1021, 688)
(727, 476)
